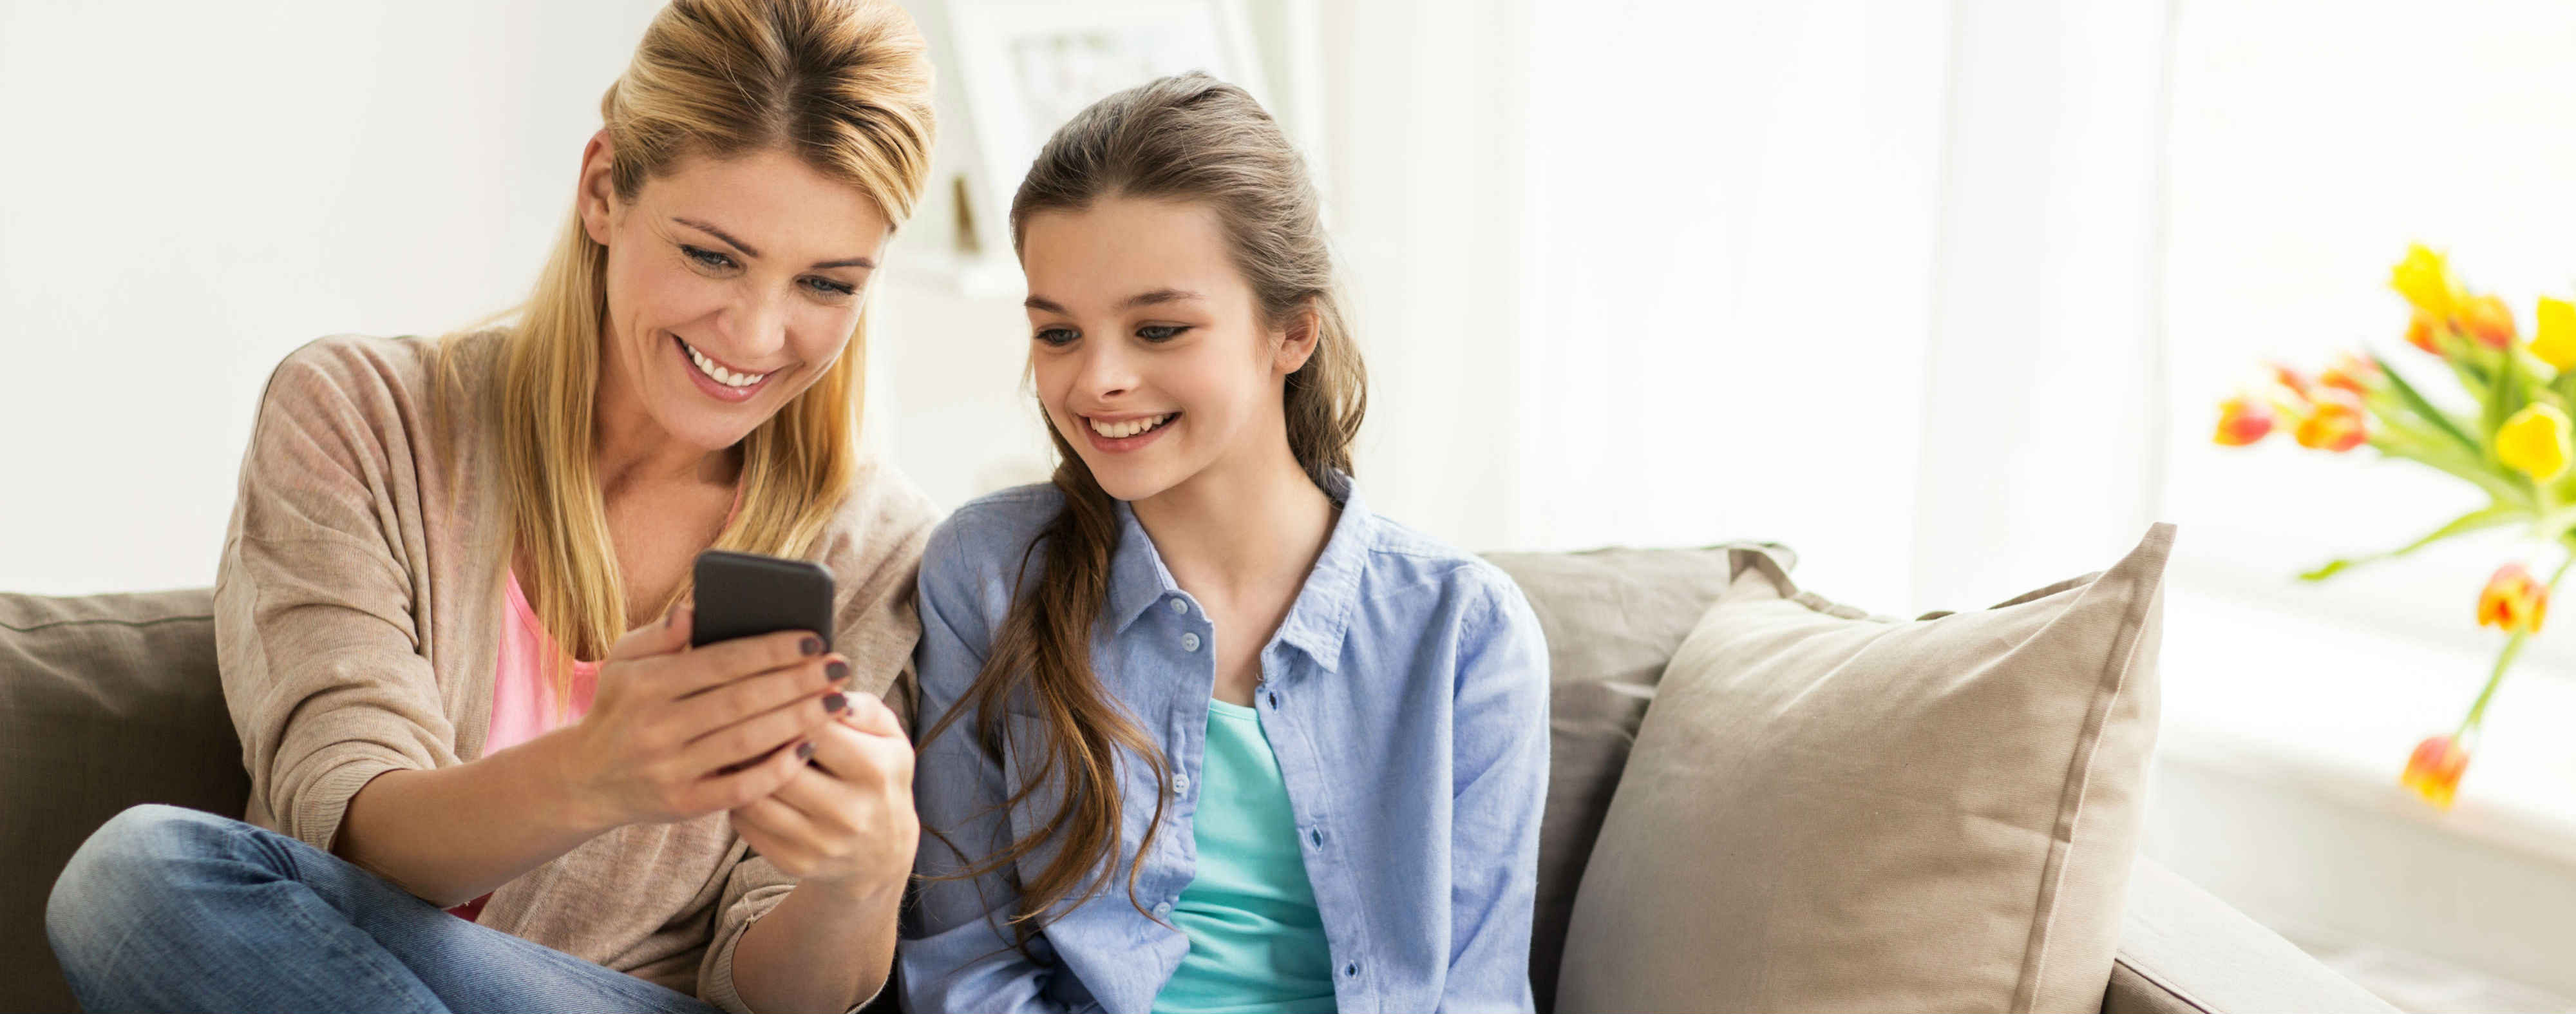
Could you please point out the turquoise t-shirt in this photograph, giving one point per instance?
(1256, 943)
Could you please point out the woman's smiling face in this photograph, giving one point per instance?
(1147, 345)
(732, 286)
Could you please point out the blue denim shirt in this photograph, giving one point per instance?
(1405, 697)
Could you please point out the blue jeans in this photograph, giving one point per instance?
(168, 909)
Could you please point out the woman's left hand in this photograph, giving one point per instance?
(846, 821)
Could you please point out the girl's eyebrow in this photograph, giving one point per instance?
(746, 250)
(1157, 297)
(1154, 298)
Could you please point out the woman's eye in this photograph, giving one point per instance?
(828, 287)
(1057, 337)
(708, 258)
(1160, 332)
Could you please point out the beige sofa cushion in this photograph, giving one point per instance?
(1613, 618)
(1828, 811)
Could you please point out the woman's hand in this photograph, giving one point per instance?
(674, 733)
(845, 823)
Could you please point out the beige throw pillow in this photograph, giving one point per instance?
(1827, 811)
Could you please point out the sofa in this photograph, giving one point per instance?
(107, 701)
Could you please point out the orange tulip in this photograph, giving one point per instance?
(2290, 379)
(2435, 769)
(2489, 320)
(2242, 420)
(2513, 601)
(2334, 422)
(2352, 373)
(2419, 332)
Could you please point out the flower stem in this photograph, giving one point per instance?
(2504, 660)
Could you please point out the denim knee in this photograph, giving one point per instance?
(134, 860)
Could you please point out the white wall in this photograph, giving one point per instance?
(192, 190)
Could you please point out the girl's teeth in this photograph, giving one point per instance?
(1122, 430)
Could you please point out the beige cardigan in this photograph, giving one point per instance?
(357, 615)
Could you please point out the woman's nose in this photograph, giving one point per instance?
(757, 326)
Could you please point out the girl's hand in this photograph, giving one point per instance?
(847, 821)
(670, 730)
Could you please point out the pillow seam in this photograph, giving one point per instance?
(2077, 786)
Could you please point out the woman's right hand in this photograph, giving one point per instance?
(670, 729)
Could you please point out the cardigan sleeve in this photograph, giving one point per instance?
(320, 596)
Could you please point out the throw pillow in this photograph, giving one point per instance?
(1830, 811)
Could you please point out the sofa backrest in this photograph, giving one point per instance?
(1613, 618)
(106, 701)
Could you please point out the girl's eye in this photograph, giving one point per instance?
(708, 258)
(1160, 332)
(1056, 337)
(828, 287)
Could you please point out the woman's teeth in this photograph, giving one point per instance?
(1131, 427)
(721, 375)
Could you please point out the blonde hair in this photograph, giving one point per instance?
(842, 84)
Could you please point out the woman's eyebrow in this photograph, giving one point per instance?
(747, 251)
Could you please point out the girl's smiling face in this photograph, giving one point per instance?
(732, 286)
(1147, 346)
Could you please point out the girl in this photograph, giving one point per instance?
(423, 609)
(1204, 733)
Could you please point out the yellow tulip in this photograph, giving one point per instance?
(2535, 441)
(2424, 278)
(2555, 343)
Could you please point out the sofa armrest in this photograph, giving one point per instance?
(2183, 951)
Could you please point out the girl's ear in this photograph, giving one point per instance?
(594, 192)
(1297, 343)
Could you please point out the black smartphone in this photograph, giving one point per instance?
(747, 594)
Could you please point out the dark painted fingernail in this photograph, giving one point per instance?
(836, 671)
(805, 750)
(833, 703)
(810, 646)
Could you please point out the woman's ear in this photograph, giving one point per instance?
(1297, 343)
(595, 193)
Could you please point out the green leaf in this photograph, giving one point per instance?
(2508, 397)
(2440, 419)
(2490, 516)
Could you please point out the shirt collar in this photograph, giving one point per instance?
(1316, 620)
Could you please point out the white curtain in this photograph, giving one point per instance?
(1876, 278)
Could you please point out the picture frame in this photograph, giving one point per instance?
(1023, 67)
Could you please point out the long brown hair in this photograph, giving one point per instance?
(845, 86)
(1190, 138)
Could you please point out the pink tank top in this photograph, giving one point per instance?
(523, 702)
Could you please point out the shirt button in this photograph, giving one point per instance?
(1189, 642)
(1163, 911)
(1180, 781)
(1179, 606)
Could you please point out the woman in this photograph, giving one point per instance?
(1204, 733)
(425, 597)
